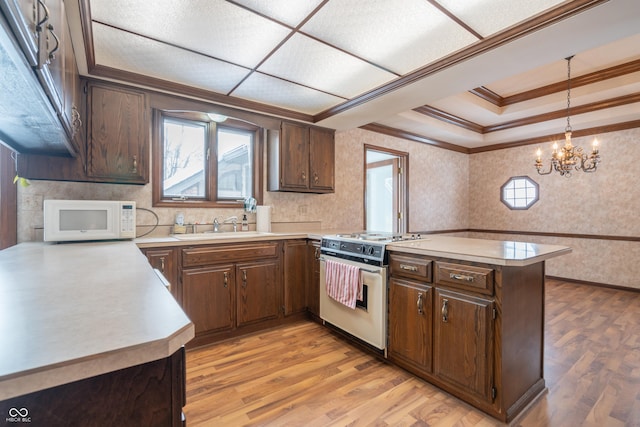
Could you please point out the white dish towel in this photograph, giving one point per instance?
(343, 282)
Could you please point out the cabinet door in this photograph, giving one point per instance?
(322, 160)
(208, 297)
(295, 276)
(165, 260)
(313, 282)
(259, 297)
(22, 16)
(294, 157)
(463, 337)
(117, 140)
(410, 324)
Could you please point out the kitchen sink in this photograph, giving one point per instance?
(221, 235)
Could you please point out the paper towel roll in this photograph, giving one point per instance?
(263, 219)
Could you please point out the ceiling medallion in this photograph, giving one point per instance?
(568, 157)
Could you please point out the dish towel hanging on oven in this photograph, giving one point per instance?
(343, 282)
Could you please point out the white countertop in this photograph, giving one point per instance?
(496, 252)
(76, 310)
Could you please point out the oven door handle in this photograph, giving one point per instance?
(361, 269)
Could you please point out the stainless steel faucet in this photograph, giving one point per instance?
(234, 220)
(216, 225)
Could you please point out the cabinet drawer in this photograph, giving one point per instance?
(469, 277)
(412, 267)
(207, 255)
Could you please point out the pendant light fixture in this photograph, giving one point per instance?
(568, 158)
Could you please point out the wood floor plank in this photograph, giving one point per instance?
(305, 375)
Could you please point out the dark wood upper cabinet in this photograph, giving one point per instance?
(322, 160)
(301, 159)
(118, 135)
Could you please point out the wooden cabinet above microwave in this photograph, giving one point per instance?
(41, 98)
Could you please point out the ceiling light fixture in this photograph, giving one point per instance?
(567, 158)
(218, 118)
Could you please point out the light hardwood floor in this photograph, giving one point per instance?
(304, 375)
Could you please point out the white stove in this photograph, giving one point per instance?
(365, 250)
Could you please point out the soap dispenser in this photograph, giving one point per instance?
(245, 223)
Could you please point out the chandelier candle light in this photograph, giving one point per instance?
(566, 158)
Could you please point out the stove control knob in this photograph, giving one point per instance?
(371, 250)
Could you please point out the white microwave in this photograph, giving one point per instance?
(76, 220)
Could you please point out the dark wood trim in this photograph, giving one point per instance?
(459, 230)
(546, 139)
(525, 121)
(538, 22)
(189, 91)
(587, 79)
(488, 95)
(449, 118)
(561, 86)
(87, 33)
(564, 235)
(580, 109)
(8, 200)
(596, 284)
(399, 133)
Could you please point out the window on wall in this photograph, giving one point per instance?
(200, 162)
(519, 192)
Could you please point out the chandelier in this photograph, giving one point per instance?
(568, 158)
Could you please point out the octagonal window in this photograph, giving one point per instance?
(519, 192)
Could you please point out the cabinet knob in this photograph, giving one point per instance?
(303, 176)
(162, 264)
(445, 310)
(134, 165)
(315, 178)
(408, 267)
(420, 304)
(226, 279)
(244, 278)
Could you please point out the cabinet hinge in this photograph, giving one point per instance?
(494, 392)
(399, 215)
(399, 170)
(495, 314)
(208, 153)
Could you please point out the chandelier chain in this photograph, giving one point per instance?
(568, 129)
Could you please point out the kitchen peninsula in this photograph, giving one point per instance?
(468, 316)
(90, 335)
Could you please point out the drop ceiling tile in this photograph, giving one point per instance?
(268, 90)
(286, 11)
(125, 51)
(488, 17)
(399, 35)
(314, 64)
(213, 27)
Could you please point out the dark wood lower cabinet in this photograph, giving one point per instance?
(151, 394)
(486, 336)
(258, 291)
(208, 298)
(463, 342)
(410, 324)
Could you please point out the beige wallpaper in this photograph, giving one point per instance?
(606, 202)
(448, 190)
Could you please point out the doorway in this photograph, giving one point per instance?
(385, 187)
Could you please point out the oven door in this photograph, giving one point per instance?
(368, 321)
